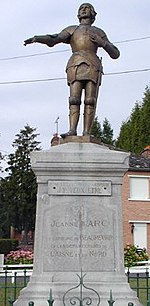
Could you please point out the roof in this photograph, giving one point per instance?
(138, 162)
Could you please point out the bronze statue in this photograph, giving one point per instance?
(84, 68)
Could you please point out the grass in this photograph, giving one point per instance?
(9, 293)
(143, 292)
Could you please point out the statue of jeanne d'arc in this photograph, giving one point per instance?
(84, 68)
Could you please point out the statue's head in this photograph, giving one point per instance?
(92, 11)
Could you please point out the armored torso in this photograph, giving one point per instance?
(80, 39)
(84, 64)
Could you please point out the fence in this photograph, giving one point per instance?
(15, 277)
(79, 298)
(12, 279)
(139, 280)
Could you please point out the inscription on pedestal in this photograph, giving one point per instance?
(80, 188)
(79, 234)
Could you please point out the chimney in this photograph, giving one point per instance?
(55, 140)
(146, 152)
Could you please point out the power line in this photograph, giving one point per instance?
(65, 50)
(32, 55)
(31, 81)
(59, 79)
(128, 71)
(131, 40)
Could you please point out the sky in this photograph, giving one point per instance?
(39, 103)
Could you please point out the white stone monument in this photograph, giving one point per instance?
(78, 223)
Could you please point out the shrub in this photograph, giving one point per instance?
(133, 254)
(19, 257)
(7, 245)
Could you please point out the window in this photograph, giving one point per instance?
(140, 235)
(140, 188)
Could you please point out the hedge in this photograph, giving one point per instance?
(7, 245)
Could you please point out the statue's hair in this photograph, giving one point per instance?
(93, 13)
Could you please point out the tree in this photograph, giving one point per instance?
(1, 158)
(128, 139)
(96, 128)
(144, 134)
(134, 127)
(134, 133)
(18, 189)
(105, 133)
(4, 208)
(123, 142)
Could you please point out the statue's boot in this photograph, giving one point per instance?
(89, 114)
(73, 119)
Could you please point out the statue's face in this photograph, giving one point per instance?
(84, 11)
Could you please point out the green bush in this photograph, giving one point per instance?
(7, 245)
(133, 254)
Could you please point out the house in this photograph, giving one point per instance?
(136, 201)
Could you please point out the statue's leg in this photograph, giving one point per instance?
(90, 106)
(74, 108)
(74, 114)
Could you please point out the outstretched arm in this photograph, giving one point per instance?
(49, 40)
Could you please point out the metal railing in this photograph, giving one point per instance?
(139, 280)
(15, 277)
(80, 298)
(12, 279)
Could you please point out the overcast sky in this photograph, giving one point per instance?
(40, 103)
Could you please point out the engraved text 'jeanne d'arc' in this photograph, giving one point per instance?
(98, 188)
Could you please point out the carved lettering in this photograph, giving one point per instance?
(96, 237)
(54, 253)
(98, 253)
(79, 188)
(78, 235)
(87, 223)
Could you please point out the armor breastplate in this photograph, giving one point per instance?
(80, 40)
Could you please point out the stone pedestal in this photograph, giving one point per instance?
(78, 223)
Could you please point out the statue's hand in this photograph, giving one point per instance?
(29, 41)
(97, 40)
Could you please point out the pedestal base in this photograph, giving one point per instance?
(39, 291)
(78, 223)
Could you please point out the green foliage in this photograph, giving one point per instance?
(134, 133)
(4, 215)
(96, 128)
(18, 189)
(105, 133)
(133, 254)
(1, 158)
(7, 245)
(124, 140)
